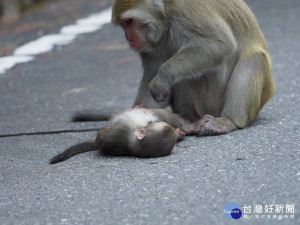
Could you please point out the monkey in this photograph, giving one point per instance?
(200, 58)
(139, 132)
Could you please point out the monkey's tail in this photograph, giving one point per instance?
(95, 114)
(86, 146)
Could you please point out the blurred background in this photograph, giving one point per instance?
(14, 7)
(25, 20)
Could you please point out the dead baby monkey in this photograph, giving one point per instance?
(139, 132)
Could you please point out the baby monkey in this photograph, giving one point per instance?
(139, 132)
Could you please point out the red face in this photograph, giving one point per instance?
(132, 33)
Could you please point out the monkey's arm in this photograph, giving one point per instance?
(144, 97)
(191, 62)
(177, 121)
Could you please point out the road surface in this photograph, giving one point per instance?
(259, 165)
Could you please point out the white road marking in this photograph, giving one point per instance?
(27, 52)
(9, 61)
(44, 44)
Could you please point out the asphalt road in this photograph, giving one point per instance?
(256, 166)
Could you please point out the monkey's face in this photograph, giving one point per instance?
(133, 34)
(142, 29)
(164, 131)
(156, 139)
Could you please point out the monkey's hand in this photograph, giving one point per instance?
(159, 89)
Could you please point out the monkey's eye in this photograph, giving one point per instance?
(128, 21)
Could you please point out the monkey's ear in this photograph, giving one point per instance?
(140, 133)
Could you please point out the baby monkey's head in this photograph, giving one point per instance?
(154, 140)
(157, 139)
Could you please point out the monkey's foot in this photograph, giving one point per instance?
(215, 126)
(193, 128)
(204, 120)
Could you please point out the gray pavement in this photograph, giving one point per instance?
(257, 165)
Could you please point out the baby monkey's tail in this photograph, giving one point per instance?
(86, 146)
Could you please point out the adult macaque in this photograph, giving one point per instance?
(200, 57)
(137, 132)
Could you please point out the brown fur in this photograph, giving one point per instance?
(210, 58)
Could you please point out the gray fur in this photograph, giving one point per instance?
(211, 59)
(119, 137)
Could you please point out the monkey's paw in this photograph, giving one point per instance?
(216, 126)
(159, 91)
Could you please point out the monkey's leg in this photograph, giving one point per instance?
(249, 87)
